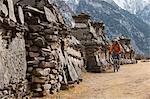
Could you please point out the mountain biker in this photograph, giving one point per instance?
(115, 51)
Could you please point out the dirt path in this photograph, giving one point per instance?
(132, 82)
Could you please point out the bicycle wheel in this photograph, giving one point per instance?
(118, 66)
(115, 65)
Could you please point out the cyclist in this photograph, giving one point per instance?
(115, 51)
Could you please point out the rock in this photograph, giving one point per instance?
(40, 4)
(52, 76)
(51, 64)
(56, 32)
(38, 94)
(38, 90)
(49, 15)
(34, 9)
(39, 80)
(29, 43)
(25, 2)
(47, 25)
(4, 9)
(36, 28)
(54, 71)
(49, 31)
(53, 81)
(41, 72)
(40, 58)
(5, 92)
(6, 37)
(60, 18)
(21, 15)
(53, 91)
(31, 63)
(29, 17)
(47, 86)
(32, 36)
(46, 50)
(60, 78)
(47, 54)
(40, 42)
(1, 93)
(35, 66)
(29, 70)
(54, 46)
(32, 54)
(34, 49)
(46, 92)
(52, 38)
(11, 10)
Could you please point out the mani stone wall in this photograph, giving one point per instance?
(44, 72)
(12, 52)
(128, 53)
(71, 60)
(12, 64)
(85, 33)
(91, 36)
(103, 52)
(50, 61)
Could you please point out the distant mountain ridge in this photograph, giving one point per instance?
(132, 6)
(140, 8)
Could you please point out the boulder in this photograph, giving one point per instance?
(40, 42)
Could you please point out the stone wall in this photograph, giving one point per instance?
(50, 65)
(12, 64)
(72, 60)
(38, 54)
(128, 53)
(13, 83)
(91, 35)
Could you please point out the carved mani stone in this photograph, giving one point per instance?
(11, 10)
(21, 15)
(49, 15)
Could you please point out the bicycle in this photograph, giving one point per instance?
(116, 62)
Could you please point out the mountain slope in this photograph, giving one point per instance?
(65, 10)
(140, 8)
(72, 4)
(145, 14)
(133, 6)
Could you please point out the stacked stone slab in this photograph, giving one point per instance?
(42, 43)
(42, 59)
(12, 53)
(71, 60)
(103, 55)
(128, 53)
(92, 37)
(48, 59)
(35, 33)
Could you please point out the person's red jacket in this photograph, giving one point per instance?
(116, 47)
